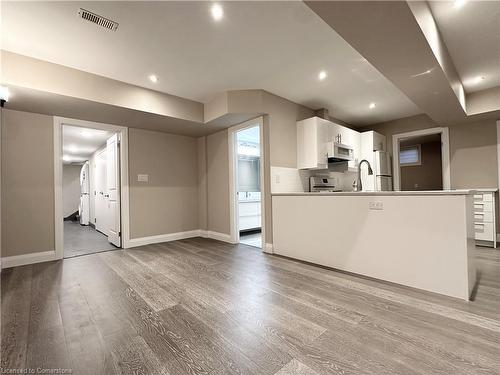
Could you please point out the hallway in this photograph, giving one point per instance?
(82, 240)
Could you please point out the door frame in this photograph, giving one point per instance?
(58, 196)
(233, 180)
(93, 175)
(445, 154)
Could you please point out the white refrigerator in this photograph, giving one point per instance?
(84, 207)
(382, 171)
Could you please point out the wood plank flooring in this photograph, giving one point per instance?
(200, 306)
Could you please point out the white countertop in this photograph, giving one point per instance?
(386, 193)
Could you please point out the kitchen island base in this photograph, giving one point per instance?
(422, 241)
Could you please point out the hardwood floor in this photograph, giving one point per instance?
(200, 306)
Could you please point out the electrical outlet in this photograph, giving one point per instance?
(376, 205)
(143, 178)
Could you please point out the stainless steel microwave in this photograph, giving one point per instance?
(338, 152)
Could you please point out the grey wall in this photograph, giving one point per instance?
(428, 175)
(168, 203)
(473, 148)
(71, 188)
(280, 149)
(218, 182)
(27, 183)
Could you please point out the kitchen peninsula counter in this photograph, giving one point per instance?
(405, 237)
(383, 193)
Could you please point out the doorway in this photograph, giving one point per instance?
(90, 163)
(247, 198)
(421, 160)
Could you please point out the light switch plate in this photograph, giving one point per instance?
(143, 178)
(376, 205)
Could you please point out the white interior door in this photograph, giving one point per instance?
(113, 187)
(100, 193)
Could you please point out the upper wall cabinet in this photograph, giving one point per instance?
(312, 138)
(314, 134)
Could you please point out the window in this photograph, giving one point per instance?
(409, 155)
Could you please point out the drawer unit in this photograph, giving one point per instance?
(483, 197)
(483, 206)
(484, 231)
(484, 218)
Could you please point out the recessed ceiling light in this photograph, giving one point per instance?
(322, 75)
(86, 133)
(153, 78)
(372, 105)
(459, 3)
(478, 79)
(217, 12)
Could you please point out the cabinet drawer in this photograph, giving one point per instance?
(484, 231)
(483, 206)
(483, 217)
(249, 208)
(483, 197)
(249, 222)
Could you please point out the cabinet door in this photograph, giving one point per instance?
(379, 142)
(312, 137)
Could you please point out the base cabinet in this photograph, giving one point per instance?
(485, 218)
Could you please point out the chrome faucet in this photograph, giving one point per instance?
(370, 172)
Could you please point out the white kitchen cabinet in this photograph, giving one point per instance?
(314, 134)
(249, 215)
(485, 217)
(312, 139)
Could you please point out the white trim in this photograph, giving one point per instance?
(445, 154)
(233, 176)
(133, 242)
(268, 248)
(21, 260)
(58, 194)
(498, 152)
(124, 196)
(218, 236)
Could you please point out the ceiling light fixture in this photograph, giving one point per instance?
(372, 105)
(72, 148)
(86, 133)
(478, 79)
(459, 3)
(153, 78)
(217, 12)
(66, 158)
(322, 75)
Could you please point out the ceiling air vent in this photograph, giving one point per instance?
(97, 19)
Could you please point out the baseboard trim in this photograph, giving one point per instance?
(268, 248)
(215, 236)
(134, 242)
(22, 260)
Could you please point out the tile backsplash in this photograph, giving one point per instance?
(292, 180)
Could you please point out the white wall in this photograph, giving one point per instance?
(71, 188)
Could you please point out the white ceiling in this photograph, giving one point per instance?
(277, 46)
(80, 143)
(472, 35)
